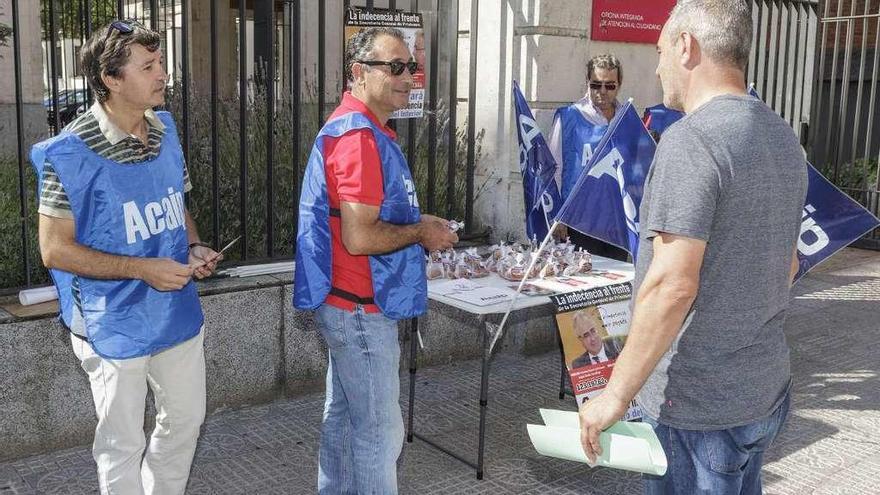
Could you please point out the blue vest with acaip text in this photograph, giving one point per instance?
(579, 139)
(127, 210)
(399, 283)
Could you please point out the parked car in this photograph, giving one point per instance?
(71, 103)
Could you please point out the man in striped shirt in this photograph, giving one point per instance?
(123, 251)
(103, 137)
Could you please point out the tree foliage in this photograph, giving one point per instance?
(5, 33)
(70, 20)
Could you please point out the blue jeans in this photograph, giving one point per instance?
(362, 430)
(717, 462)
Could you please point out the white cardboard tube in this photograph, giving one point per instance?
(28, 297)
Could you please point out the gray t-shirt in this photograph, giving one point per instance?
(733, 174)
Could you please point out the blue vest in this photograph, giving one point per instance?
(579, 139)
(127, 210)
(399, 283)
(658, 118)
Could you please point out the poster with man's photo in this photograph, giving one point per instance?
(410, 23)
(593, 325)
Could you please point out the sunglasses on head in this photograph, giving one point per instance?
(598, 85)
(395, 67)
(124, 27)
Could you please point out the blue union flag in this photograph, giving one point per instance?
(831, 219)
(536, 163)
(605, 201)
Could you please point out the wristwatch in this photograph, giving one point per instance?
(199, 243)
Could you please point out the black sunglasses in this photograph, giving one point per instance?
(597, 85)
(395, 67)
(124, 27)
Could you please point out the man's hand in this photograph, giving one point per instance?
(435, 233)
(596, 415)
(163, 274)
(203, 261)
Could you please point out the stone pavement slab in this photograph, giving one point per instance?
(829, 445)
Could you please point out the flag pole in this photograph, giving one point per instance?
(498, 329)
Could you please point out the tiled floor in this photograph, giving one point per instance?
(830, 445)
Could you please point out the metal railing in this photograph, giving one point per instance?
(782, 57)
(845, 142)
(246, 118)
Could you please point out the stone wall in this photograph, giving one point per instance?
(257, 349)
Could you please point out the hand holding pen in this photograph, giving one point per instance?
(203, 260)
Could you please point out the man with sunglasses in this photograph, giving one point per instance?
(360, 263)
(577, 129)
(122, 250)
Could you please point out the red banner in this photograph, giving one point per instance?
(634, 21)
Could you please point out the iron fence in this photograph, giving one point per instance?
(844, 144)
(782, 58)
(251, 81)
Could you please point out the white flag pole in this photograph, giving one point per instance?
(498, 329)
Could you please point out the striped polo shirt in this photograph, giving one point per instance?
(106, 139)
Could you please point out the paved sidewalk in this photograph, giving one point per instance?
(830, 445)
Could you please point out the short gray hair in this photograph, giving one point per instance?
(607, 62)
(723, 28)
(360, 46)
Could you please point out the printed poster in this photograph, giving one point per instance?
(593, 325)
(410, 23)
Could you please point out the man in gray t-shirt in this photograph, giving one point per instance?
(719, 222)
(732, 175)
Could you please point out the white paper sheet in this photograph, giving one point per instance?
(453, 286)
(484, 296)
(627, 446)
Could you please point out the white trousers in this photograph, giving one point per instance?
(119, 388)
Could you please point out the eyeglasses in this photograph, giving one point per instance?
(124, 27)
(395, 67)
(598, 85)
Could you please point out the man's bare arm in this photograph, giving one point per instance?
(363, 233)
(59, 250)
(795, 266)
(663, 301)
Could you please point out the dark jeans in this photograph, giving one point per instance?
(717, 462)
(597, 247)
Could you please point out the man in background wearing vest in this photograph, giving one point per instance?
(122, 250)
(576, 131)
(360, 262)
(720, 219)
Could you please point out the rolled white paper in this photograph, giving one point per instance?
(38, 295)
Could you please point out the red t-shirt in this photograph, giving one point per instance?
(353, 171)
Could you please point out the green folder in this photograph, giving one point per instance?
(625, 445)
